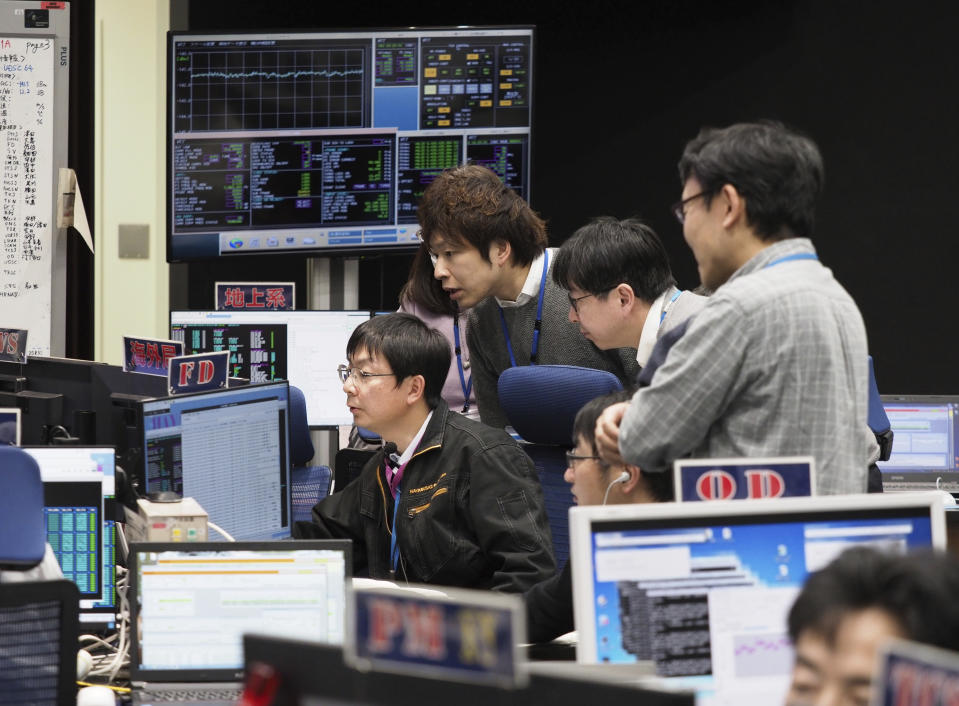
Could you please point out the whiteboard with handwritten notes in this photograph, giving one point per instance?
(34, 137)
(26, 197)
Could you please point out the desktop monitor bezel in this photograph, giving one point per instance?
(140, 475)
(17, 421)
(97, 618)
(177, 251)
(582, 519)
(137, 673)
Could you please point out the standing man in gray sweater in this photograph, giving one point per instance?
(489, 252)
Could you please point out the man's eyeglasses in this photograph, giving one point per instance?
(574, 301)
(679, 208)
(345, 372)
(572, 459)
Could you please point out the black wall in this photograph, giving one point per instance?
(620, 86)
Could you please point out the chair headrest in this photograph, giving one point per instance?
(301, 446)
(878, 420)
(541, 401)
(23, 534)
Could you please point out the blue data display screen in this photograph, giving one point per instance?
(73, 536)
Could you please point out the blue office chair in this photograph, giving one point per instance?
(878, 420)
(879, 423)
(541, 402)
(309, 484)
(23, 534)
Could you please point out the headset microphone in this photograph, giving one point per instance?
(623, 477)
(389, 451)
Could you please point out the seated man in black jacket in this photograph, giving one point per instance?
(447, 500)
(549, 604)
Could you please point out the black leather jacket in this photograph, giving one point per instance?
(471, 512)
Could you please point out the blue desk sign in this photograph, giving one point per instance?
(149, 355)
(13, 345)
(911, 674)
(699, 479)
(459, 634)
(198, 373)
(255, 296)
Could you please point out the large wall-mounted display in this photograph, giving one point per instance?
(324, 142)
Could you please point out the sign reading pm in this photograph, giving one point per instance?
(470, 636)
(911, 674)
(700, 479)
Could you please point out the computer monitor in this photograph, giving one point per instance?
(79, 490)
(324, 141)
(192, 603)
(303, 347)
(703, 589)
(53, 395)
(925, 442)
(229, 450)
(9, 426)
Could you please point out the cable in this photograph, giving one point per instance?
(226, 535)
(121, 535)
(623, 477)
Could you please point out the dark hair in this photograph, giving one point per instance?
(423, 289)
(409, 346)
(916, 590)
(606, 252)
(471, 204)
(778, 172)
(659, 485)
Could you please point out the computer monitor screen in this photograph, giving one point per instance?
(9, 426)
(303, 347)
(229, 451)
(925, 442)
(79, 487)
(703, 589)
(324, 141)
(192, 604)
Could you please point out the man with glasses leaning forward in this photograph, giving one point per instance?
(448, 500)
(621, 290)
(775, 364)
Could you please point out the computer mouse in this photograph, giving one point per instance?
(96, 696)
(163, 496)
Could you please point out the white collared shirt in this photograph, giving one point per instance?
(411, 449)
(530, 286)
(647, 340)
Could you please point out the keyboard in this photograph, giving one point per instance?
(230, 695)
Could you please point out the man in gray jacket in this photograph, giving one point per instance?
(776, 362)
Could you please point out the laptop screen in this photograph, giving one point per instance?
(192, 603)
(925, 443)
(78, 490)
(702, 590)
(229, 451)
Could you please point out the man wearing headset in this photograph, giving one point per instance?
(549, 604)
